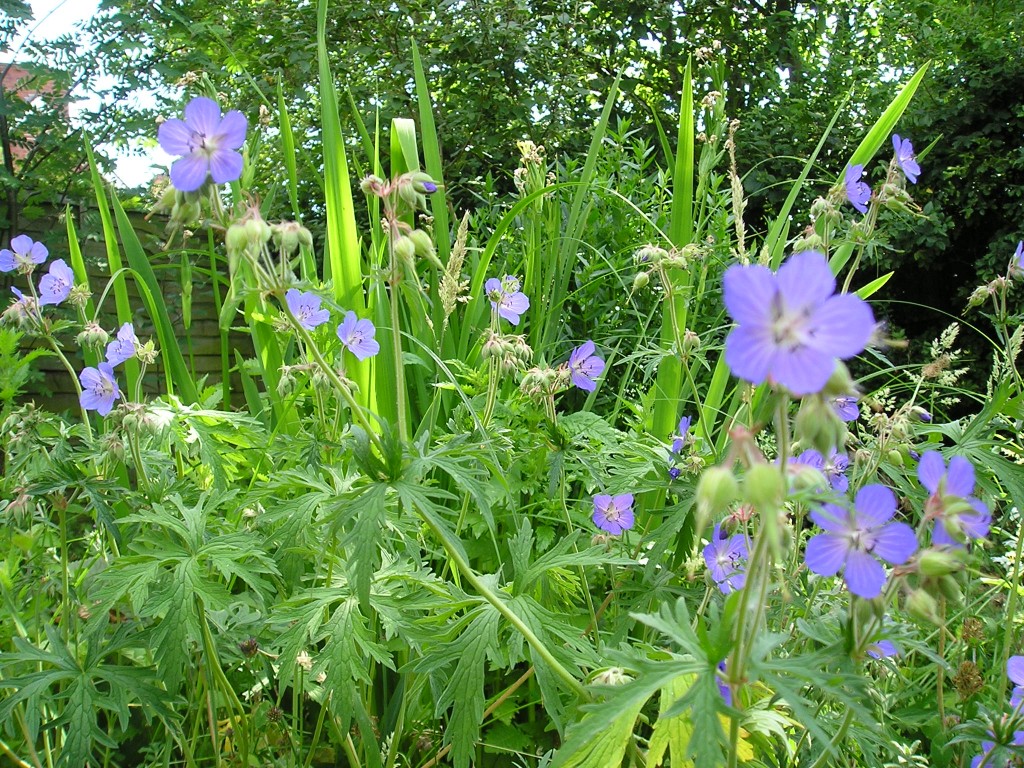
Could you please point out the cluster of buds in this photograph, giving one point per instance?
(412, 188)
(511, 351)
(182, 208)
(289, 235)
(542, 383)
(409, 243)
(247, 236)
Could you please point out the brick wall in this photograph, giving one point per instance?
(200, 341)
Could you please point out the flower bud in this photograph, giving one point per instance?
(92, 336)
(923, 606)
(405, 250)
(819, 426)
(716, 490)
(425, 247)
(691, 341)
(895, 457)
(940, 562)
(79, 296)
(286, 236)
(979, 297)
(650, 254)
(424, 183)
(950, 589)
(764, 487)
(236, 239)
(641, 281)
(372, 185)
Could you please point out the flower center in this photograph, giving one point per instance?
(789, 329)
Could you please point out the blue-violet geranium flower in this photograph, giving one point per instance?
(99, 389)
(206, 142)
(506, 298)
(585, 366)
(957, 513)
(855, 539)
(305, 306)
(56, 285)
(905, 158)
(357, 336)
(726, 559)
(124, 347)
(613, 514)
(791, 326)
(857, 192)
(23, 254)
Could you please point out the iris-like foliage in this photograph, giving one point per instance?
(124, 347)
(357, 336)
(905, 158)
(957, 513)
(206, 143)
(585, 366)
(791, 326)
(305, 306)
(506, 298)
(613, 514)
(23, 253)
(726, 558)
(99, 389)
(56, 285)
(857, 192)
(854, 540)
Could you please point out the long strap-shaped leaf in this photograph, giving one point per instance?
(176, 372)
(342, 263)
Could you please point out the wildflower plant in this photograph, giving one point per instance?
(247, 574)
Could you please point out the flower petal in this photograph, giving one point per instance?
(930, 470)
(750, 353)
(826, 554)
(803, 370)
(875, 505)
(864, 575)
(895, 543)
(960, 477)
(842, 326)
(231, 131)
(832, 518)
(202, 115)
(748, 293)
(188, 173)
(1015, 669)
(225, 166)
(806, 280)
(175, 137)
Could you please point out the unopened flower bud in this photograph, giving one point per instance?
(691, 341)
(819, 426)
(716, 490)
(146, 353)
(641, 281)
(764, 487)
(92, 336)
(286, 235)
(979, 297)
(372, 185)
(950, 589)
(651, 254)
(923, 606)
(236, 239)
(895, 457)
(424, 184)
(405, 250)
(940, 562)
(425, 247)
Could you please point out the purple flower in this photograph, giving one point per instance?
(679, 439)
(857, 192)
(854, 539)
(357, 336)
(791, 326)
(834, 468)
(999, 762)
(585, 366)
(723, 687)
(23, 253)
(726, 558)
(613, 514)
(55, 286)
(674, 473)
(306, 308)
(883, 649)
(905, 158)
(1015, 671)
(1016, 263)
(845, 407)
(99, 389)
(206, 142)
(506, 297)
(124, 346)
(429, 187)
(957, 514)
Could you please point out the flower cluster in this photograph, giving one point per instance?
(55, 286)
(99, 386)
(356, 335)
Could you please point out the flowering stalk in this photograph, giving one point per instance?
(396, 334)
